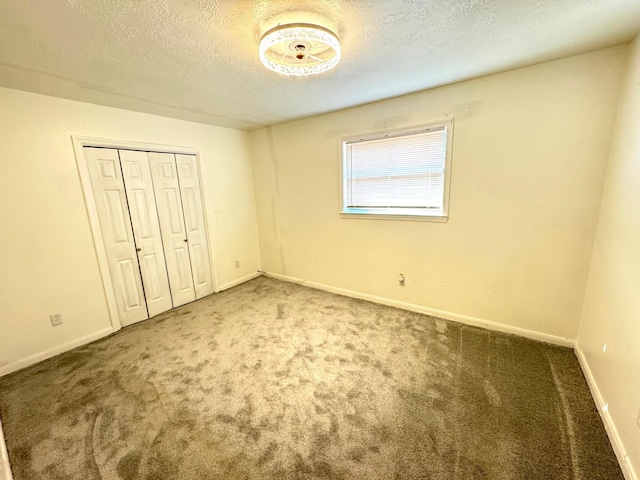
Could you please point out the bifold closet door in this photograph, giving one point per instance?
(146, 230)
(189, 179)
(174, 235)
(113, 215)
(151, 217)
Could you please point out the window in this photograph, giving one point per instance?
(399, 174)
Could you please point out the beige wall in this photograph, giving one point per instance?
(529, 157)
(611, 311)
(48, 260)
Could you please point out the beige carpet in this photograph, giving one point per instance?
(271, 380)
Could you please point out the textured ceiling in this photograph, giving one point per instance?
(197, 59)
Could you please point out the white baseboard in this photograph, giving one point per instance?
(5, 468)
(38, 357)
(618, 447)
(456, 317)
(246, 278)
(616, 442)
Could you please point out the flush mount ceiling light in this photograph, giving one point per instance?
(299, 49)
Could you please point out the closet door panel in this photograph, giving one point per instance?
(146, 230)
(111, 205)
(174, 236)
(188, 178)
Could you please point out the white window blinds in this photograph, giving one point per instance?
(396, 171)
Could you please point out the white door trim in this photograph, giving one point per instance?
(79, 142)
(5, 467)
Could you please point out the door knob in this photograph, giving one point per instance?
(185, 239)
(138, 249)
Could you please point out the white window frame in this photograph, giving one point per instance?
(397, 213)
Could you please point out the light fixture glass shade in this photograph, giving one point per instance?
(299, 49)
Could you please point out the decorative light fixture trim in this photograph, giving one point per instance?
(299, 49)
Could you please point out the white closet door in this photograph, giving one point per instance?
(113, 214)
(146, 230)
(188, 178)
(174, 236)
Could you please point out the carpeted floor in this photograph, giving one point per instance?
(271, 380)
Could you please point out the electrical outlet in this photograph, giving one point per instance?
(237, 263)
(56, 319)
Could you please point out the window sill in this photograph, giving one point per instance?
(395, 216)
